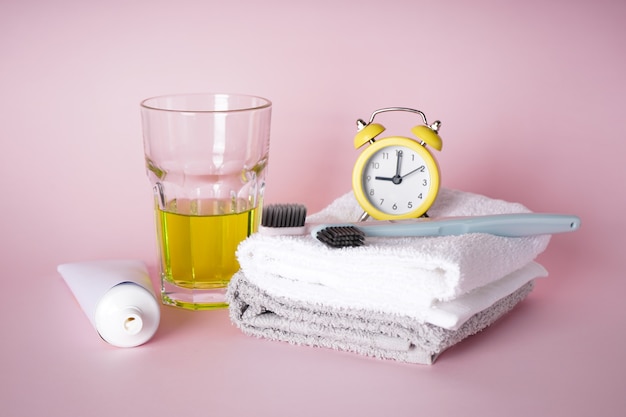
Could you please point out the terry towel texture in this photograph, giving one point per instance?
(397, 298)
(366, 332)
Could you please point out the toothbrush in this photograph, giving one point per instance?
(290, 220)
(284, 220)
(506, 225)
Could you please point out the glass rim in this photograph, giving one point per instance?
(264, 103)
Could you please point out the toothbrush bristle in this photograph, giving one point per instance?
(283, 215)
(341, 236)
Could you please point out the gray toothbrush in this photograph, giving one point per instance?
(289, 219)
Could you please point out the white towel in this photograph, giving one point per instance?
(391, 275)
(453, 314)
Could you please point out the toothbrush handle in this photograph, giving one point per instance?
(508, 225)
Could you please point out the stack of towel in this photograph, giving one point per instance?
(406, 299)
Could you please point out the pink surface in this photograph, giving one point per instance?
(531, 96)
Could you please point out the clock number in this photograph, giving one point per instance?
(371, 191)
(395, 207)
(375, 165)
(410, 204)
(420, 196)
(425, 182)
(385, 155)
(382, 200)
(368, 178)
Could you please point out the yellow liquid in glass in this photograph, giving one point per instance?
(198, 251)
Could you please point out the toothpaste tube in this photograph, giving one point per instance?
(117, 297)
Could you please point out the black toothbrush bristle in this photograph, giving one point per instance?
(341, 236)
(283, 215)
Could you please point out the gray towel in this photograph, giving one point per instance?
(365, 332)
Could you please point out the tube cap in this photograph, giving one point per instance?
(127, 315)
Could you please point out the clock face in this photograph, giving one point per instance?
(399, 180)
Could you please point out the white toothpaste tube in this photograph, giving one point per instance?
(117, 297)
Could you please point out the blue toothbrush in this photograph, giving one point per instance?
(507, 225)
(289, 219)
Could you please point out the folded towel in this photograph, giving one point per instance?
(390, 275)
(372, 333)
(454, 313)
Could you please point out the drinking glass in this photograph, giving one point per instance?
(206, 158)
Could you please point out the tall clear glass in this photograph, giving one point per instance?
(206, 158)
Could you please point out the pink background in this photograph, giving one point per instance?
(532, 98)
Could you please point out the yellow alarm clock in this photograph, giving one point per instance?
(396, 177)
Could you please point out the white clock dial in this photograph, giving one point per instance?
(396, 180)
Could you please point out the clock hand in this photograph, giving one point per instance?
(398, 164)
(420, 168)
(396, 179)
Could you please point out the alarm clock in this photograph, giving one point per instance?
(396, 177)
